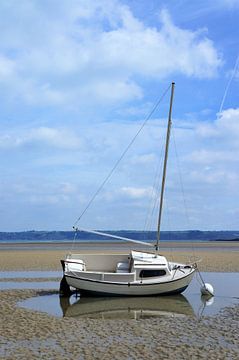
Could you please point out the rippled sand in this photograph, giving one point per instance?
(31, 335)
(25, 334)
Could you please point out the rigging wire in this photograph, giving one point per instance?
(155, 207)
(154, 196)
(73, 243)
(121, 157)
(229, 83)
(182, 189)
(169, 227)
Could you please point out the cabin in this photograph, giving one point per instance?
(118, 267)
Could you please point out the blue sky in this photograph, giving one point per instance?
(78, 78)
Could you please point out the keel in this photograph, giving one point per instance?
(64, 288)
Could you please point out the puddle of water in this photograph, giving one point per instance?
(225, 289)
(18, 275)
(29, 274)
(111, 307)
(11, 285)
(189, 304)
(224, 284)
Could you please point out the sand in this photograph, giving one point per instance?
(27, 334)
(214, 256)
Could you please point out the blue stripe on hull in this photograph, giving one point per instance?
(98, 293)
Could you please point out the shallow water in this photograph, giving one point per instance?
(226, 292)
(189, 304)
(15, 280)
(13, 285)
(29, 274)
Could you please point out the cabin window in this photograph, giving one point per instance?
(151, 273)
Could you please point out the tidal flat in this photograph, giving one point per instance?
(27, 334)
(33, 334)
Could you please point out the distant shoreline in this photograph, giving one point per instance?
(118, 245)
(96, 242)
(236, 239)
(148, 236)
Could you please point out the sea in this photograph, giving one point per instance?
(69, 239)
(137, 235)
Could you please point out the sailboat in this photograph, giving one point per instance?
(139, 273)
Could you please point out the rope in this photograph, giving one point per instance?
(154, 195)
(200, 276)
(182, 191)
(229, 83)
(121, 157)
(74, 241)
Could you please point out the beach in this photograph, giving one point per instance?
(213, 256)
(28, 334)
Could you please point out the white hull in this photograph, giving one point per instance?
(136, 288)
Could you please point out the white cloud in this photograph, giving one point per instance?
(112, 91)
(225, 127)
(208, 162)
(7, 67)
(213, 177)
(52, 137)
(136, 193)
(48, 192)
(212, 158)
(80, 52)
(228, 121)
(68, 188)
(231, 4)
(46, 199)
(144, 159)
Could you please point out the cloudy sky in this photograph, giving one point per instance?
(77, 80)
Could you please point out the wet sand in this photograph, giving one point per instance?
(27, 334)
(215, 256)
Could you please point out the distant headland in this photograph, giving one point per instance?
(189, 235)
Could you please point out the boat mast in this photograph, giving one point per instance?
(165, 167)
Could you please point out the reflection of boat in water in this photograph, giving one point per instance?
(126, 308)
